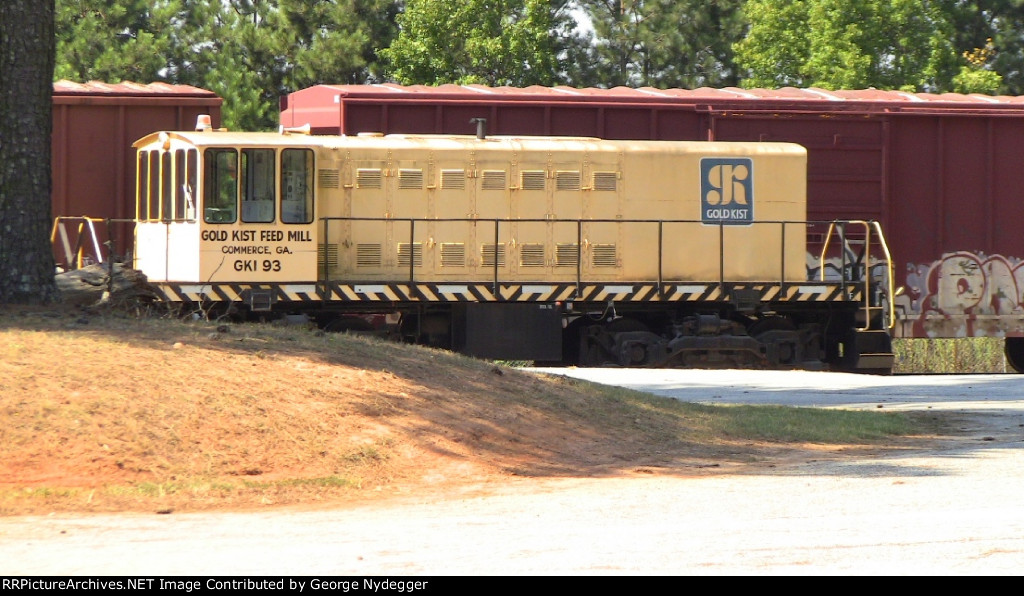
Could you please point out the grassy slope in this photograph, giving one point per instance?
(106, 412)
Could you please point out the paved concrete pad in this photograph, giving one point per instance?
(990, 392)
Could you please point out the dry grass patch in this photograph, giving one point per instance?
(105, 412)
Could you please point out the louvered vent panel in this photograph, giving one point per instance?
(606, 181)
(404, 252)
(368, 255)
(604, 255)
(567, 255)
(487, 252)
(328, 253)
(493, 180)
(453, 179)
(567, 180)
(410, 179)
(453, 254)
(531, 255)
(368, 178)
(532, 180)
(329, 178)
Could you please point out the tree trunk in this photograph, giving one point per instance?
(107, 284)
(26, 95)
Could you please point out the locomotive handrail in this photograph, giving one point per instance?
(86, 234)
(75, 257)
(890, 277)
(840, 230)
(835, 227)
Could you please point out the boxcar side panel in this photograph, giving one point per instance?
(1007, 180)
(513, 119)
(94, 126)
(965, 148)
(92, 183)
(844, 164)
(955, 184)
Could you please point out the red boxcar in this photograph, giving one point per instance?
(94, 126)
(940, 172)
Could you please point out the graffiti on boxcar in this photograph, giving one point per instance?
(964, 294)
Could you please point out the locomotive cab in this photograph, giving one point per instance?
(218, 208)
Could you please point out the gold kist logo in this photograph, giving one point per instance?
(727, 195)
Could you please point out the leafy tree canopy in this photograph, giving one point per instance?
(491, 42)
(110, 40)
(250, 52)
(855, 44)
(664, 43)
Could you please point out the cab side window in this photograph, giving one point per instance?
(258, 185)
(184, 184)
(220, 185)
(297, 186)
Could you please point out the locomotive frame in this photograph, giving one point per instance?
(557, 250)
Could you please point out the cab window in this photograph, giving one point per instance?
(258, 185)
(297, 186)
(220, 186)
(184, 184)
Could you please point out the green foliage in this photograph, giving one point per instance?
(250, 52)
(775, 47)
(849, 44)
(664, 43)
(997, 25)
(974, 80)
(110, 40)
(336, 42)
(503, 42)
(976, 76)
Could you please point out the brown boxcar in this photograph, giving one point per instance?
(940, 172)
(94, 126)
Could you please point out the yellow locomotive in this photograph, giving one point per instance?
(574, 250)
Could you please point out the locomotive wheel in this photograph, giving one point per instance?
(1013, 348)
(637, 354)
(596, 341)
(785, 352)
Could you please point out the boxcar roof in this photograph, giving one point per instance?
(862, 99)
(65, 88)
